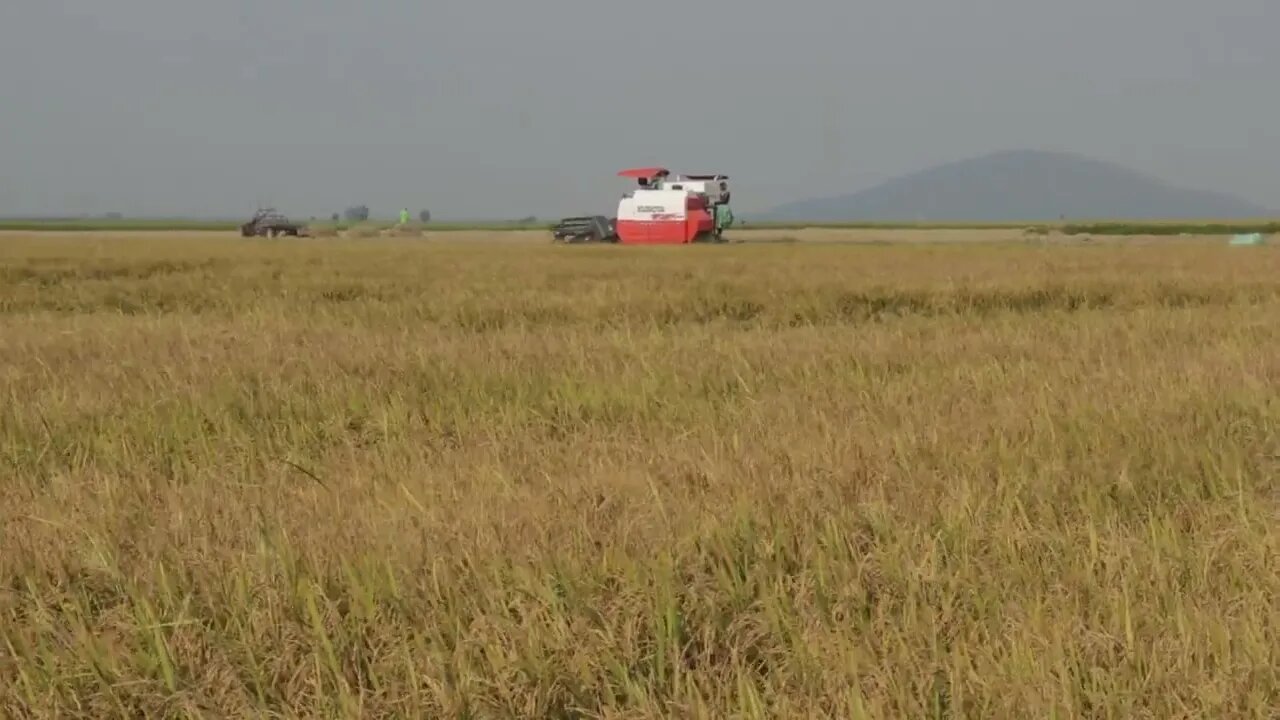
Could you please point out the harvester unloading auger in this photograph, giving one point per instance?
(664, 209)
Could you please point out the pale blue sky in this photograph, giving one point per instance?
(487, 108)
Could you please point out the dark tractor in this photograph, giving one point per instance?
(585, 229)
(269, 223)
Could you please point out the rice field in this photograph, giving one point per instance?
(420, 477)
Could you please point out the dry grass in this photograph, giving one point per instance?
(397, 478)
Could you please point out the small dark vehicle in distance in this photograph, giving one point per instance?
(269, 223)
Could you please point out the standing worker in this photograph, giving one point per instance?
(404, 216)
(724, 215)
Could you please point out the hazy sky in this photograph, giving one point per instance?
(505, 108)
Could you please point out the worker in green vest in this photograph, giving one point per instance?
(404, 216)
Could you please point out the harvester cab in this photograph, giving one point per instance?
(667, 209)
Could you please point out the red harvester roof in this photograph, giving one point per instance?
(643, 172)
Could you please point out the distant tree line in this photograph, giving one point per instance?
(360, 213)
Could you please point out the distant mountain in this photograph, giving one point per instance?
(1019, 185)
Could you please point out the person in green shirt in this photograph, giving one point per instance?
(404, 216)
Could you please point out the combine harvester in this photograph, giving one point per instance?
(663, 210)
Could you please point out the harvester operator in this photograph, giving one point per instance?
(724, 218)
(723, 214)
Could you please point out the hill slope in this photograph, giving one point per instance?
(1021, 185)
